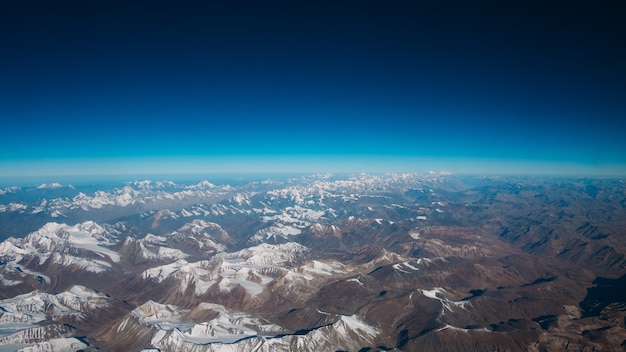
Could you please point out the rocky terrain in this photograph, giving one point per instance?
(316, 263)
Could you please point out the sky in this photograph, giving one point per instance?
(139, 87)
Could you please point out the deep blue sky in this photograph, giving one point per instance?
(93, 87)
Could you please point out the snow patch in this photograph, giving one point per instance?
(356, 280)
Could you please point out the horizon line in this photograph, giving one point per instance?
(50, 169)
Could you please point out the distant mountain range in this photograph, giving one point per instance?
(399, 262)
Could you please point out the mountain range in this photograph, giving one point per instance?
(397, 262)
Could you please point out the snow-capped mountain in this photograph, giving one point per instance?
(78, 203)
(41, 321)
(252, 276)
(171, 328)
(84, 246)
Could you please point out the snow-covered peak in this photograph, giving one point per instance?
(141, 184)
(251, 269)
(80, 298)
(54, 185)
(199, 226)
(13, 207)
(156, 248)
(353, 324)
(172, 331)
(87, 235)
(160, 273)
(38, 306)
(202, 236)
(323, 229)
(241, 332)
(241, 199)
(64, 245)
(387, 256)
(282, 255)
(152, 312)
(56, 345)
(438, 293)
(164, 184)
(204, 184)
